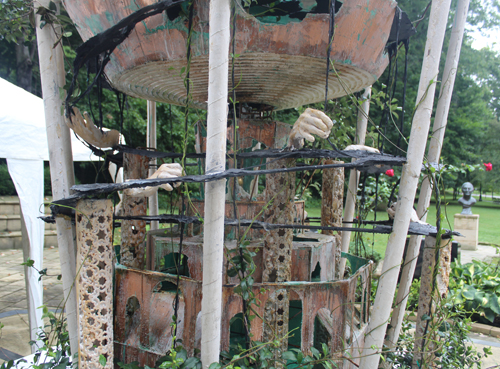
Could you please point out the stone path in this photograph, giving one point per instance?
(14, 336)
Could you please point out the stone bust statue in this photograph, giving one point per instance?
(467, 200)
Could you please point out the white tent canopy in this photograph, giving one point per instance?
(23, 142)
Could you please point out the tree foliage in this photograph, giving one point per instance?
(471, 134)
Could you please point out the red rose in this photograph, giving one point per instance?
(489, 167)
(390, 172)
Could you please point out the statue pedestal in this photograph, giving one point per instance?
(468, 225)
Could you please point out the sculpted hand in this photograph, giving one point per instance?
(362, 148)
(171, 170)
(311, 122)
(413, 216)
(86, 129)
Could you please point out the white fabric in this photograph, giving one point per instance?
(26, 176)
(22, 127)
(23, 142)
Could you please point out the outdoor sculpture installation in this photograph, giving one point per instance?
(467, 201)
(291, 275)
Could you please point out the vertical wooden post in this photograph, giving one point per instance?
(350, 200)
(61, 161)
(215, 192)
(436, 143)
(409, 180)
(95, 260)
(332, 202)
(133, 231)
(426, 341)
(151, 143)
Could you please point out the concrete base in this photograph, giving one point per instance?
(468, 225)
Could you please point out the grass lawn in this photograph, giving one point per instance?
(489, 222)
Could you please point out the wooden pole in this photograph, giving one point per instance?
(426, 338)
(409, 180)
(133, 231)
(350, 201)
(215, 192)
(61, 160)
(436, 143)
(151, 143)
(332, 201)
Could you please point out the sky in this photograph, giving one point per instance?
(492, 39)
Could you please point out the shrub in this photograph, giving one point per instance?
(6, 185)
(476, 287)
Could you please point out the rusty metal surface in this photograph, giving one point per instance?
(133, 232)
(149, 335)
(94, 283)
(144, 337)
(281, 65)
(306, 255)
(332, 206)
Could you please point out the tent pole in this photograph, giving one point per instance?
(61, 160)
(152, 144)
(215, 192)
(436, 143)
(350, 201)
(380, 315)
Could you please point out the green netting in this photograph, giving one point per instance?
(355, 261)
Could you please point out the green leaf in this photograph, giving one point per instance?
(191, 363)
(489, 315)
(469, 292)
(102, 360)
(315, 352)
(29, 262)
(290, 356)
(494, 304)
(480, 298)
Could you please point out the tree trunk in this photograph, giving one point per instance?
(24, 62)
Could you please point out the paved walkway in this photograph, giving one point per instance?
(14, 336)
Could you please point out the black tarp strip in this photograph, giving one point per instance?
(367, 163)
(414, 228)
(272, 153)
